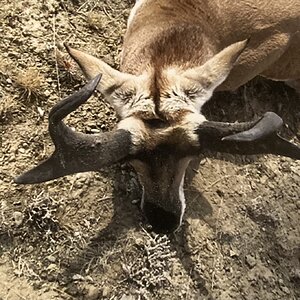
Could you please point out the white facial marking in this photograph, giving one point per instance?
(190, 123)
(180, 177)
(182, 198)
(143, 196)
(137, 128)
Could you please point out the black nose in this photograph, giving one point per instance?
(162, 221)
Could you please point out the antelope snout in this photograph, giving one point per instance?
(161, 220)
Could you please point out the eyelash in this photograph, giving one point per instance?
(125, 96)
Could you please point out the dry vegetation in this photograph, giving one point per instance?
(30, 82)
(82, 237)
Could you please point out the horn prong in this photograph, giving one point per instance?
(77, 152)
(255, 137)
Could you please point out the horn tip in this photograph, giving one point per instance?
(20, 179)
(70, 50)
(66, 45)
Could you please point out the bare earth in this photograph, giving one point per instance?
(82, 237)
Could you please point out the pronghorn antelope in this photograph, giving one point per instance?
(175, 54)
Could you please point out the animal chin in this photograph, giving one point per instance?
(161, 220)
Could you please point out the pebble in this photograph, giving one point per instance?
(233, 253)
(51, 258)
(285, 290)
(92, 293)
(250, 260)
(105, 291)
(77, 277)
(95, 130)
(18, 218)
(40, 111)
(127, 297)
(52, 267)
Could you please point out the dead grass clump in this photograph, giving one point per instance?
(152, 268)
(42, 214)
(97, 21)
(31, 82)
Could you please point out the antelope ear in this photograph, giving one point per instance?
(215, 70)
(91, 66)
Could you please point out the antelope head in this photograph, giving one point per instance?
(161, 129)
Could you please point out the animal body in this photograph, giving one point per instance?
(176, 53)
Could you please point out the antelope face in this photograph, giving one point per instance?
(161, 174)
(160, 131)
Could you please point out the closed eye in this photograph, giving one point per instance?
(192, 92)
(125, 96)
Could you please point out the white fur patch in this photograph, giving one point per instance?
(182, 198)
(137, 128)
(190, 123)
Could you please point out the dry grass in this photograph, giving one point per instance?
(31, 82)
(97, 21)
(152, 268)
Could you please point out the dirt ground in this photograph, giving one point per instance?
(82, 237)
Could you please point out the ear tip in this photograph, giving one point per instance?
(72, 52)
(67, 46)
(247, 41)
(243, 44)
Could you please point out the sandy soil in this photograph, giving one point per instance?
(81, 237)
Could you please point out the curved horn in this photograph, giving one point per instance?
(77, 152)
(255, 137)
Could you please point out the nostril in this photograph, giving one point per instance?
(161, 221)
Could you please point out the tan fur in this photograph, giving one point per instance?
(175, 54)
(188, 32)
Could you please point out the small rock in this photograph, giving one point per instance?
(250, 260)
(264, 179)
(91, 293)
(51, 258)
(127, 297)
(18, 218)
(47, 93)
(233, 253)
(77, 277)
(105, 291)
(52, 267)
(22, 150)
(93, 130)
(40, 111)
(285, 290)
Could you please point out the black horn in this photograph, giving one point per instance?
(255, 137)
(77, 152)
